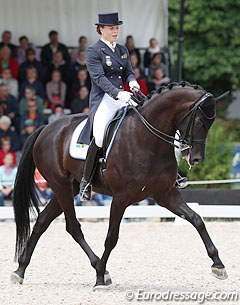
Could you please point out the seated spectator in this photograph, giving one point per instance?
(50, 48)
(9, 106)
(32, 80)
(132, 49)
(7, 178)
(12, 83)
(158, 80)
(81, 101)
(8, 62)
(56, 90)
(58, 113)
(5, 131)
(140, 80)
(134, 62)
(32, 114)
(60, 64)
(44, 193)
(28, 128)
(79, 64)
(82, 80)
(21, 50)
(6, 41)
(156, 62)
(82, 45)
(29, 94)
(151, 50)
(5, 148)
(30, 61)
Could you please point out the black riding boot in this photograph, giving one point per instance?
(88, 171)
(181, 182)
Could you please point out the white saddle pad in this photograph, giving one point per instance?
(79, 151)
(76, 150)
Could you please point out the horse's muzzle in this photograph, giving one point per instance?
(192, 160)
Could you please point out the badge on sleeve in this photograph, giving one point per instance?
(108, 61)
(124, 56)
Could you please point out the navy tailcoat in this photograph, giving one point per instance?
(108, 70)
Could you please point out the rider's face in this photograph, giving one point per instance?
(110, 33)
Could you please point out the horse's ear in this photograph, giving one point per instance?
(222, 97)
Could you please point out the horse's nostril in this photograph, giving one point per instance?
(196, 160)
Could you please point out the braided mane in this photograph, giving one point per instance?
(174, 84)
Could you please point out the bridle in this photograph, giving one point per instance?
(185, 141)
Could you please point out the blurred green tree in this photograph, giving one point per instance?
(211, 48)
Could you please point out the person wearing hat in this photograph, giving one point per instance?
(28, 128)
(109, 66)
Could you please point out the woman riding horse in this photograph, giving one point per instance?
(109, 66)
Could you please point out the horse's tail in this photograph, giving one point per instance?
(24, 193)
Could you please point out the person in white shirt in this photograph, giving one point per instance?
(7, 178)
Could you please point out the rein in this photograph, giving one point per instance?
(185, 141)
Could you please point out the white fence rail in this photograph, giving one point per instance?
(152, 211)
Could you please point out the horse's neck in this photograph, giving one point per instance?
(161, 114)
(163, 111)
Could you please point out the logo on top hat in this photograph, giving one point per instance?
(108, 19)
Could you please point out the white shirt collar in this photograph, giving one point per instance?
(111, 45)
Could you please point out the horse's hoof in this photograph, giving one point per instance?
(107, 278)
(220, 274)
(16, 279)
(100, 287)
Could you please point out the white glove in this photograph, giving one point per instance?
(124, 96)
(134, 85)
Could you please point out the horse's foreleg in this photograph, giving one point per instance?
(116, 214)
(44, 219)
(180, 208)
(73, 227)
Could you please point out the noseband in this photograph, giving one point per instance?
(185, 141)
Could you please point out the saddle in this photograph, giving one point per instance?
(112, 128)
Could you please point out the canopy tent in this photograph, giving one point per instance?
(73, 18)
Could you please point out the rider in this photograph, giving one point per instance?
(109, 66)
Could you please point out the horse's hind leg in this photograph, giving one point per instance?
(180, 208)
(44, 219)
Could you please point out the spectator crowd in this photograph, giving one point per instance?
(54, 77)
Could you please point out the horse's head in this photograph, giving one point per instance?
(195, 124)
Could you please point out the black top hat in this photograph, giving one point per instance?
(108, 19)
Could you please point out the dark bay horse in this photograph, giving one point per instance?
(141, 164)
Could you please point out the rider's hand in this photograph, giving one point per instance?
(134, 85)
(124, 96)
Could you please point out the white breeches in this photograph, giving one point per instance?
(103, 115)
